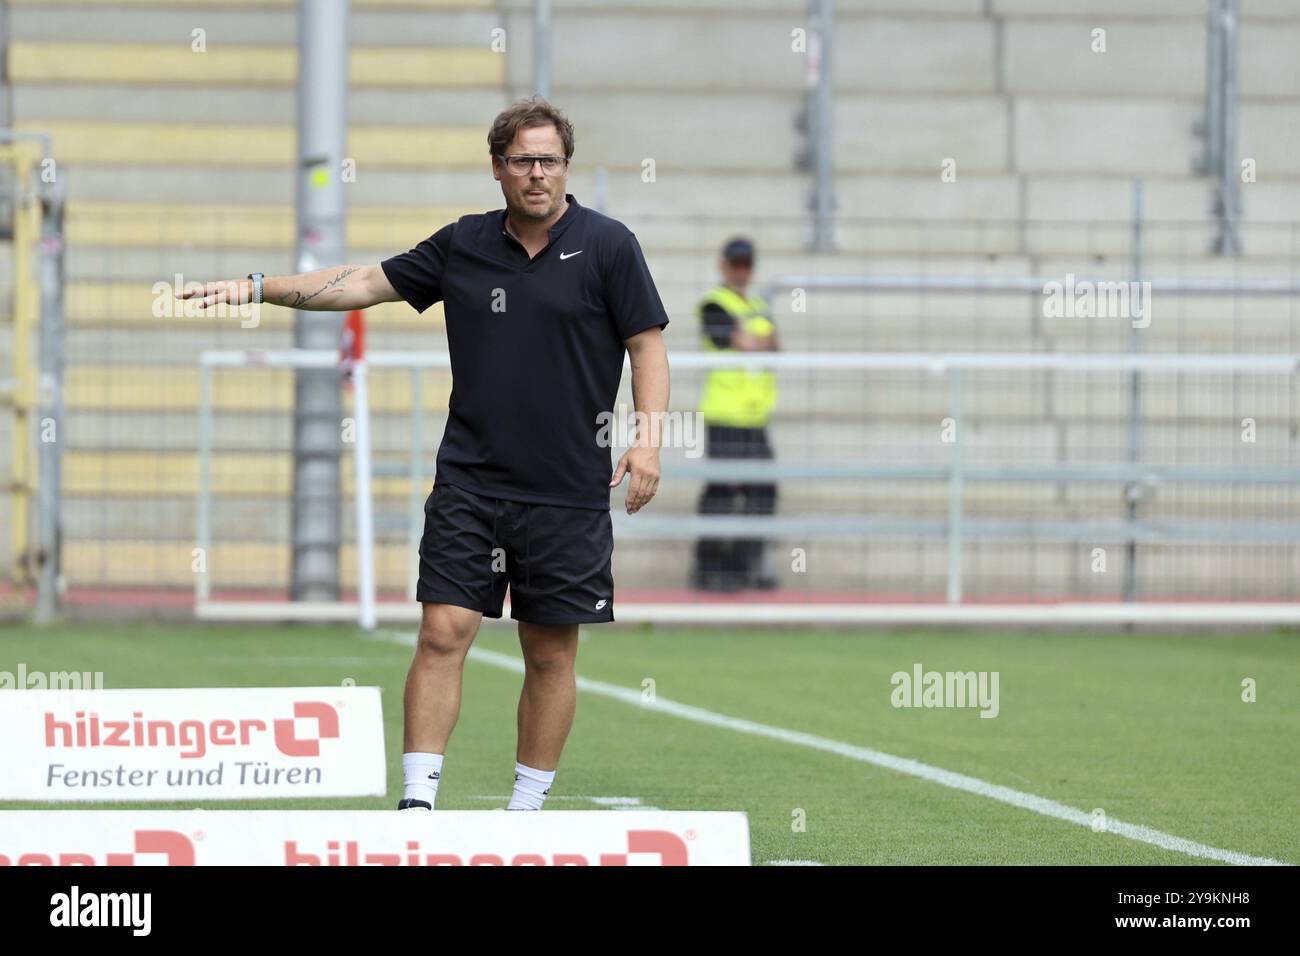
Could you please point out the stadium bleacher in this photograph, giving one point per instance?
(1004, 87)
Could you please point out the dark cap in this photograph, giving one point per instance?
(738, 249)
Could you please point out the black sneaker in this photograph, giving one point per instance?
(407, 804)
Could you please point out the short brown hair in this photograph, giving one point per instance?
(524, 114)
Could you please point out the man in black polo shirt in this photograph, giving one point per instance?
(542, 299)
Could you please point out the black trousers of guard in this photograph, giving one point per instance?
(735, 560)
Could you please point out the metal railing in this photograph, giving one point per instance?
(961, 470)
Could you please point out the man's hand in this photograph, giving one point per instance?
(650, 398)
(642, 463)
(232, 291)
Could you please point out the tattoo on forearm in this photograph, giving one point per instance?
(296, 300)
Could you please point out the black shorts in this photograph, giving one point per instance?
(557, 561)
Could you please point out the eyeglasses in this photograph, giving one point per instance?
(523, 165)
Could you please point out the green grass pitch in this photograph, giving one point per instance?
(1149, 727)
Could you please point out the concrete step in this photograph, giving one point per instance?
(1096, 250)
(251, 144)
(233, 24)
(1056, 55)
(1123, 10)
(1129, 135)
(245, 65)
(679, 49)
(393, 189)
(903, 569)
(1144, 57)
(965, 8)
(131, 385)
(42, 103)
(178, 339)
(877, 133)
(111, 454)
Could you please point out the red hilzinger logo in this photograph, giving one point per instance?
(177, 847)
(669, 846)
(193, 737)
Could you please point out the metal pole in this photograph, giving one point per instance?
(1133, 490)
(415, 530)
(318, 403)
(6, 88)
(50, 403)
(365, 520)
(821, 123)
(203, 530)
(1213, 90)
(542, 48)
(1229, 243)
(955, 490)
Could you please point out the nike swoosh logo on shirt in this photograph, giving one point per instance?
(570, 255)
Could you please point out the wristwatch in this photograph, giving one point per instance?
(257, 286)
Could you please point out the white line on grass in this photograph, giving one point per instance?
(613, 803)
(794, 863)
(301, 659)
(621, 803)
(914, 768)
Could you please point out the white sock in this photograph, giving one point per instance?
(531, 788)
(421, 773)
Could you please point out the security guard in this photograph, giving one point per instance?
(736, 406)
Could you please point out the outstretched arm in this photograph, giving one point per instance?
(337, 289)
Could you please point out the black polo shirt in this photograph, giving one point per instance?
(536, 349)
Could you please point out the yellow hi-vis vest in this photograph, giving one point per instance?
(737, 397)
